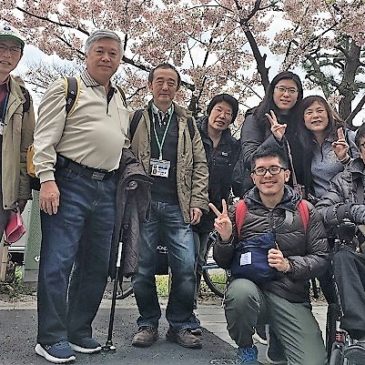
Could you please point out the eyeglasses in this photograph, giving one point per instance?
(13, 50)
(219, 110)
(273, 170)
(283, 90)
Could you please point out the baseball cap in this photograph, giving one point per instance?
(9, 32)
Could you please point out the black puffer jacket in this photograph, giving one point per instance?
(221, 161)
(346, 188)
(307, 251)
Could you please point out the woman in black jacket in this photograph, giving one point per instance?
(274, 120)
(222, 152)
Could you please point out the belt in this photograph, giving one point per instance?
(91, 173)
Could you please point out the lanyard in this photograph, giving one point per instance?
(3, 111)
(160, 144)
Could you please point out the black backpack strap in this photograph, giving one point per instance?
(134, 122)
(191, 128)
(122, 95)
(72, 91)
(26, 104)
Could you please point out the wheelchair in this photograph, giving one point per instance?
(338, 341)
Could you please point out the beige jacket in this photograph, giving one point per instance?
(17, 137)
(192, 169)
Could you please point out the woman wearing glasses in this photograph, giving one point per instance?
(273, 119)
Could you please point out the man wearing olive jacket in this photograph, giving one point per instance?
(298, 254)
(16, 130)
(168, 144)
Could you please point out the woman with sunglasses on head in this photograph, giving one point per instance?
(274, 120)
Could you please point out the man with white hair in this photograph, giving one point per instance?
(76, 158)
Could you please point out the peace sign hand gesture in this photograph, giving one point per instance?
(277, 129)
(340, 147)
(222, 223)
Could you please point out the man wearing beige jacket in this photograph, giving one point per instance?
(16, 131)
(76, 158)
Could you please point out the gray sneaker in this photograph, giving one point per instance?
(145, 337)
(85, 345)
(58, 353)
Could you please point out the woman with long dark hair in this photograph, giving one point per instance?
(274, 120)
(327, 145)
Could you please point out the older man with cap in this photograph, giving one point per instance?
(76, 157)
(16, 128)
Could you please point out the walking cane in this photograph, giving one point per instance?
(109, 342)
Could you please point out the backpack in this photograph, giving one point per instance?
(72, 93)
(250, 255)
(241, 211)
(137, 116)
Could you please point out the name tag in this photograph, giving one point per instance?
(160, 168)
(245, 259)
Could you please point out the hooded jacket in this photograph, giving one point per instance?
(306, 249)
(17, 137)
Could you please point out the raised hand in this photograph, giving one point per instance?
(340, 147)
(222, 223)
(277, 129)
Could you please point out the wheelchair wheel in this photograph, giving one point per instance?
(332, 316)
(214, 276)
(336, 356)
(126, 289)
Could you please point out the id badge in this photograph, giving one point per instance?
(2, 125)
(160, 168)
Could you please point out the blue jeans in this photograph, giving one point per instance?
(74, 260)
(166, 224)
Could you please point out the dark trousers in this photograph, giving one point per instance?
(74, 257)
(349, 268)
(166, 221)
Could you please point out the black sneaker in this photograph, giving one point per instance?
(58, 353)
(275, 350)
(85, 345)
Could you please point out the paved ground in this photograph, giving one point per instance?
(18, 331)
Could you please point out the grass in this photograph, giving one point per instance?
(14, 287)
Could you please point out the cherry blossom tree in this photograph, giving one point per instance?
(217, 45)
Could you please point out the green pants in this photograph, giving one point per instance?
(293, 323)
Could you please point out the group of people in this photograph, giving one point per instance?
(86, 158)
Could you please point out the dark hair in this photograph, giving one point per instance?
(269, 151)
(232, 101)
(268, 104)
(333, 123)
(165, 65)
(360, 134)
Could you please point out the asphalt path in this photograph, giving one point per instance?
(18, 333)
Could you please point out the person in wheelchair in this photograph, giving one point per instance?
(345, 201)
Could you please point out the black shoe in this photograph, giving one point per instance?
(275, 350)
